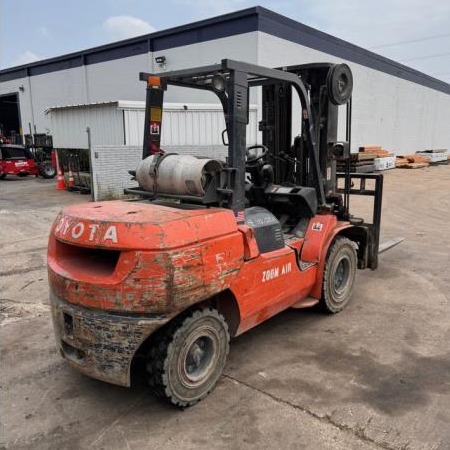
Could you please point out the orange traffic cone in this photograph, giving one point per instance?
(71, 182)
(60, 185)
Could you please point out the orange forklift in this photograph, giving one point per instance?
(212, 248)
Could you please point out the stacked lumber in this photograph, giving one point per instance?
(359, 163)
(383, 159)
(422, 159)
(376, 150)
(374, 157)
(401, 161)
(411, 162)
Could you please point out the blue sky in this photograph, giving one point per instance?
(415, 32)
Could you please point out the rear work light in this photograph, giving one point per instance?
(154, 81)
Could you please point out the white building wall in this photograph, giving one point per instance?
(122, 123)
(119, 79)
(133, 120)
(69, 126)
(243, 47)
(399, 115)
(50, 88)
(116, 79)
(200, 124)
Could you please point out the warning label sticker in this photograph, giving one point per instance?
(155, 114)
(154, 127)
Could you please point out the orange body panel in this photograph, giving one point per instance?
(269, 284)
(275, 281)
(159, 259)
(146, 263)
(168, 259)
(139, 226)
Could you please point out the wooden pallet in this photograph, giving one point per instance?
(362, 157)
(413, 166)
(412, 159)
(364, 168)
(360, 163)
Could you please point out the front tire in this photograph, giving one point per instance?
(339, 276)
(187, 357)
(47, 170)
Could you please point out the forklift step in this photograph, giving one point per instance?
(305, 303)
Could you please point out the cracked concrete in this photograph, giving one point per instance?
(358, 432)
(375, 376)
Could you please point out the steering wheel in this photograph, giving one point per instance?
(253, 159)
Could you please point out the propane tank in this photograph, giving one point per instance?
(176, 174)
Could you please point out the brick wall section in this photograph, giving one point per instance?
(110, 166)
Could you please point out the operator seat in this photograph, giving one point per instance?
(296, 201)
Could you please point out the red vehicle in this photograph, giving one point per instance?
(16, 160)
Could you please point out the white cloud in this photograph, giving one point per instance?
(25, 58)
(122, 27)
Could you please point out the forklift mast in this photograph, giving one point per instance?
(276, 124)
(295, 176)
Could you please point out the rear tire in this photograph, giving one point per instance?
(339, 276)
(2, 176)
(187, 357)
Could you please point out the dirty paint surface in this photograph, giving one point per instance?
(148, 260)
(269, 284)
(100, 345)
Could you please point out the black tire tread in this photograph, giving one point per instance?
(335, 248)
(162, 345)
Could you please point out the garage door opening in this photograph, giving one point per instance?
(10, 117)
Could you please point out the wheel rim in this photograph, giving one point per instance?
(198, 357)
(341, 277)
(48, 170)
